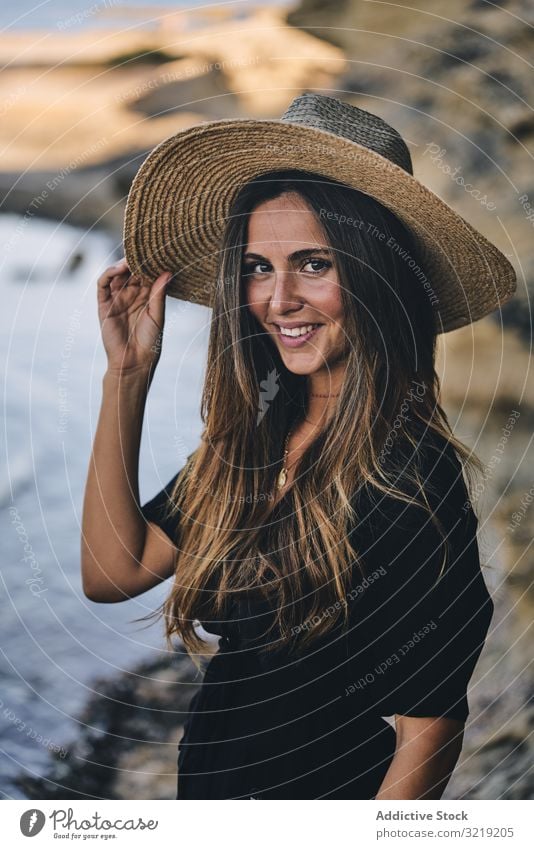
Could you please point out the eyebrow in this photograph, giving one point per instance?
(294, 257)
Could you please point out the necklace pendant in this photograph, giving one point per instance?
(282, 478)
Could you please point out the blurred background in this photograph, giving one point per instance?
(91, 703)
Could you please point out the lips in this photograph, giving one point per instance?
(290, 328)
(297, 341)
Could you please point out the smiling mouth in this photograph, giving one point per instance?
(298, 336)
(296, 332)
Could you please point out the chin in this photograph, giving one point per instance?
(302, 368)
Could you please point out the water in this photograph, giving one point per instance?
(54, 642)
(59, 15)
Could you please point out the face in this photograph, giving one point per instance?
(291, 282)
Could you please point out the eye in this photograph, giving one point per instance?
(318, 265)
(258, 267)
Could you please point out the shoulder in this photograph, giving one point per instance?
(424, 561)
(438, 459)
(431, 464)
(164, 507)
(430, 476)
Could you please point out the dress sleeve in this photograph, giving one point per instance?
(416, 636)
(158, 508)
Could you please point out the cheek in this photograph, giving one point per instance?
(255, 297)
(329, 303)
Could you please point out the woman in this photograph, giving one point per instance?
(323, 527)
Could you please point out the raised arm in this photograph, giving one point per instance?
(121, 554)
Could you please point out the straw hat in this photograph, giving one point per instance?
(178, 203)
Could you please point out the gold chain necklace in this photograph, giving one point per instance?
(282, 475)
(325, 396)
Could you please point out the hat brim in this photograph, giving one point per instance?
(179, 201)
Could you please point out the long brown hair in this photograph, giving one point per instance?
(299, 555)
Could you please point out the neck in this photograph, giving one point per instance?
(323, 393)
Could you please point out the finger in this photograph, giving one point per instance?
(156, 298)
(157, 290)
(161, 283)
(121, 264)
(118, 269)
(110, 285)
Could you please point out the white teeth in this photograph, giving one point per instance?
(297, 331)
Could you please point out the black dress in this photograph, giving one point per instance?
(312, 727)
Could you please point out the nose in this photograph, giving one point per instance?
(285, 291)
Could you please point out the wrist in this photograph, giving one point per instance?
(132, 383)
(139, 373)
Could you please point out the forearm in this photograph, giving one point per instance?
(420, 769)
(113, 530)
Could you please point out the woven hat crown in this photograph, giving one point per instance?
(351, 122)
